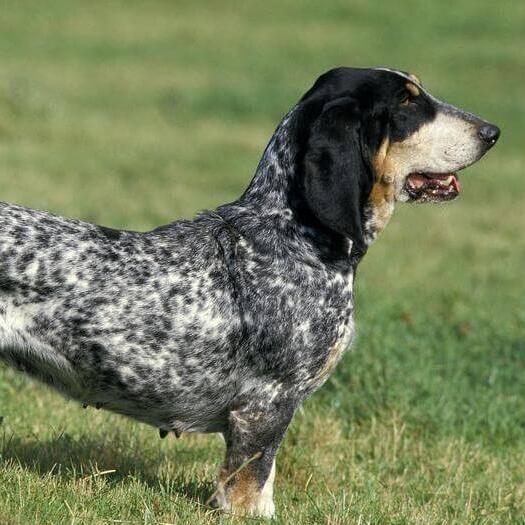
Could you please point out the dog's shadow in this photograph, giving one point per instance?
(80, 458)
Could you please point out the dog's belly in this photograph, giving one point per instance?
(170, 409)
(175, 414)
(163, 388)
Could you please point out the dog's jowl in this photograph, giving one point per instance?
(228, 322)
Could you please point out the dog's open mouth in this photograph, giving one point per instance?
(435, 187)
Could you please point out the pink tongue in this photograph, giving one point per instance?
(417, 181)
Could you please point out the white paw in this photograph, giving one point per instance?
(265, 508)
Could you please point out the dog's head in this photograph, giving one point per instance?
(372, 137)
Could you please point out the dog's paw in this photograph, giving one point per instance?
(264, 508)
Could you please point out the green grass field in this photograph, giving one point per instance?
(132, 114)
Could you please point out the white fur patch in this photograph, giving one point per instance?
(265, 506)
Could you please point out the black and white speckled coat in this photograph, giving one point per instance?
(227, 322)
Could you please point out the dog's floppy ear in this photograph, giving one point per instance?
(337, 179)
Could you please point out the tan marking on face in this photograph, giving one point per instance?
(412, 89)
(382, 195)
(378, 162)
(415, 78)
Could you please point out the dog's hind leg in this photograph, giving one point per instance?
(245, 484)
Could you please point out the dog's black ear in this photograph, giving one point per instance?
(337, 178)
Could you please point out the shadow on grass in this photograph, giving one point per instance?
(71, 459)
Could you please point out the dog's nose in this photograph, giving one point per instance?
(489, 134)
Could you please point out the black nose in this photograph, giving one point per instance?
(489, 134)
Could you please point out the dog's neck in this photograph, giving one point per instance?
(276, 188)
(276, 175)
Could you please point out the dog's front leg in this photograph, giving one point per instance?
(245, 484)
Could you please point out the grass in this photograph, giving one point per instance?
(132, 114)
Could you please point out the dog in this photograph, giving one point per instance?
(227, 322)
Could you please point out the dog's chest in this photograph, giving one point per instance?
(324, 327)
(307, 323)
(332, 355)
